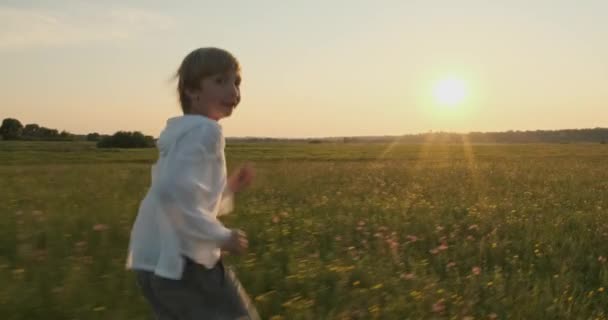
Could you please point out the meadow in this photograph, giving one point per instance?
(336, 230)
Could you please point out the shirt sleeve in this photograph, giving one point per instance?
(227, 202)
(192, 186)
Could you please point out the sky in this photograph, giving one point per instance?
(311, 68)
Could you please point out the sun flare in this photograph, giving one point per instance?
(450, 91)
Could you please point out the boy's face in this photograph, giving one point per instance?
(218, 95)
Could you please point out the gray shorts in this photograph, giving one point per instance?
(201, 293)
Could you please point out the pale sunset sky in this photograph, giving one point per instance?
(311, 68)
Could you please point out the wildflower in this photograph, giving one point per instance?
(411, 238)
(476, 270)
(408, 276)
(100, 227)
(439, 306)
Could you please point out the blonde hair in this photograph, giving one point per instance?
(199, 64)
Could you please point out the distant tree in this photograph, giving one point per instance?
(31, 130)
(48, 134)
(126, 139)
(93, 136)
(64, 135)
(11, 129)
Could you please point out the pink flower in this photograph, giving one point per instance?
(476, 270)
(443, 246)
(411, 238)
(451, 264)
(439, 306)
(100, 227)
(392, 243)
(408, 276)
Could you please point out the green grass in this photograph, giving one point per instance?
(337, 231)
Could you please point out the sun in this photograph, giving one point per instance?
(450, 91)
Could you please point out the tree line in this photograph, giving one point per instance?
(13, 129)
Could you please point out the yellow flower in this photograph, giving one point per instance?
(374, 309)
(376, 287)
(415, 294)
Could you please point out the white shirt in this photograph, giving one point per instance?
(178, 215)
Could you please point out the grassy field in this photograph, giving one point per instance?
(337, 231)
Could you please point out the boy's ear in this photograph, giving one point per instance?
(189, 93)
(192, 94)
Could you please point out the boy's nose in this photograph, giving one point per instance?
(235, 93)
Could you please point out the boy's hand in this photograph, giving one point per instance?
(237, 243)
(241, 178)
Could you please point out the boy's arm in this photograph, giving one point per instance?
(195, 225)
(227, 202)
(190, 191)
(239, 180)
